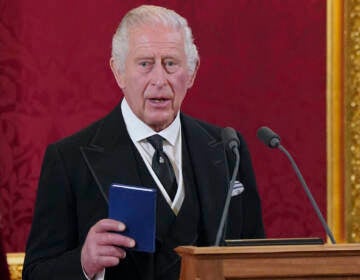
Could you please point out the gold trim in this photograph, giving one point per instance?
(352, 118)
(15, 262)
(334, 124)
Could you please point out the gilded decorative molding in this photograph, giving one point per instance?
(334, 119)
(352, 118)
(15, 262)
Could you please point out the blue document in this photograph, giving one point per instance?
(136, 208)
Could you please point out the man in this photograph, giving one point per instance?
(154, 61)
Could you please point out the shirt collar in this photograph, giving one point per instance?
(138, 130)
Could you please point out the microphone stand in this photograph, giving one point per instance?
(308, 193)
(220, 231)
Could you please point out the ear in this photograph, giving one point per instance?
(119, 77)
(192, 77)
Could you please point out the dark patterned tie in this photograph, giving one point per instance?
(162, 166)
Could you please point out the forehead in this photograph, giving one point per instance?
(155, 38)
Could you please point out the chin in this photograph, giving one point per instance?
(161, 122)
(159, 125)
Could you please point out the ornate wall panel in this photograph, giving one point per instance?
(15, 262)
(352, 118)
(335, 119)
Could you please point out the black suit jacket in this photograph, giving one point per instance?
(72, 197)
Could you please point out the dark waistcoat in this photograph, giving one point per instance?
(172, 230)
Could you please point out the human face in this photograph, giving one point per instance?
(156, 76)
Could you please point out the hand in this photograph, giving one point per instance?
(101, 249)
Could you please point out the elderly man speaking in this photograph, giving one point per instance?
(154, 61)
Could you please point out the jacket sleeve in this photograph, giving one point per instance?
(53, 250)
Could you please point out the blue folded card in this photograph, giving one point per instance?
(136, 208)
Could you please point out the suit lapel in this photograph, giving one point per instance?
(210, 170)
(109, 155)
(110, 158)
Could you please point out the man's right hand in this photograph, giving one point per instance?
(103, 247)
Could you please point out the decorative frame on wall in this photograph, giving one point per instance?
(352, 118)
(343, 118)
(334, 96)
(15, 261)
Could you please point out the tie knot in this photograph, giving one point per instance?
(156, 141)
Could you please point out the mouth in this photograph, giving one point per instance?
(159, 103)
(158, 100)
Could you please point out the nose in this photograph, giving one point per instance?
(159, 75)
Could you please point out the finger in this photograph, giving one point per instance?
(108, 225)
(110, 238)
(106, 261)
(111, 251)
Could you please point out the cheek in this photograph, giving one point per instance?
(138, 85)
(182, 81)
(180, 95)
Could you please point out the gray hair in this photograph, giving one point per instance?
(147, 15)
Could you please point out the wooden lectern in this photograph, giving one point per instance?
(340, 261)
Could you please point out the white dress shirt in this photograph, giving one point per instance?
(139, 131)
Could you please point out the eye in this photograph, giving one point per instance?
(170, 65)
(145, 65)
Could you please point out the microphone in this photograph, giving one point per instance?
(231, 142)
(230, 138)
(271, 139)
